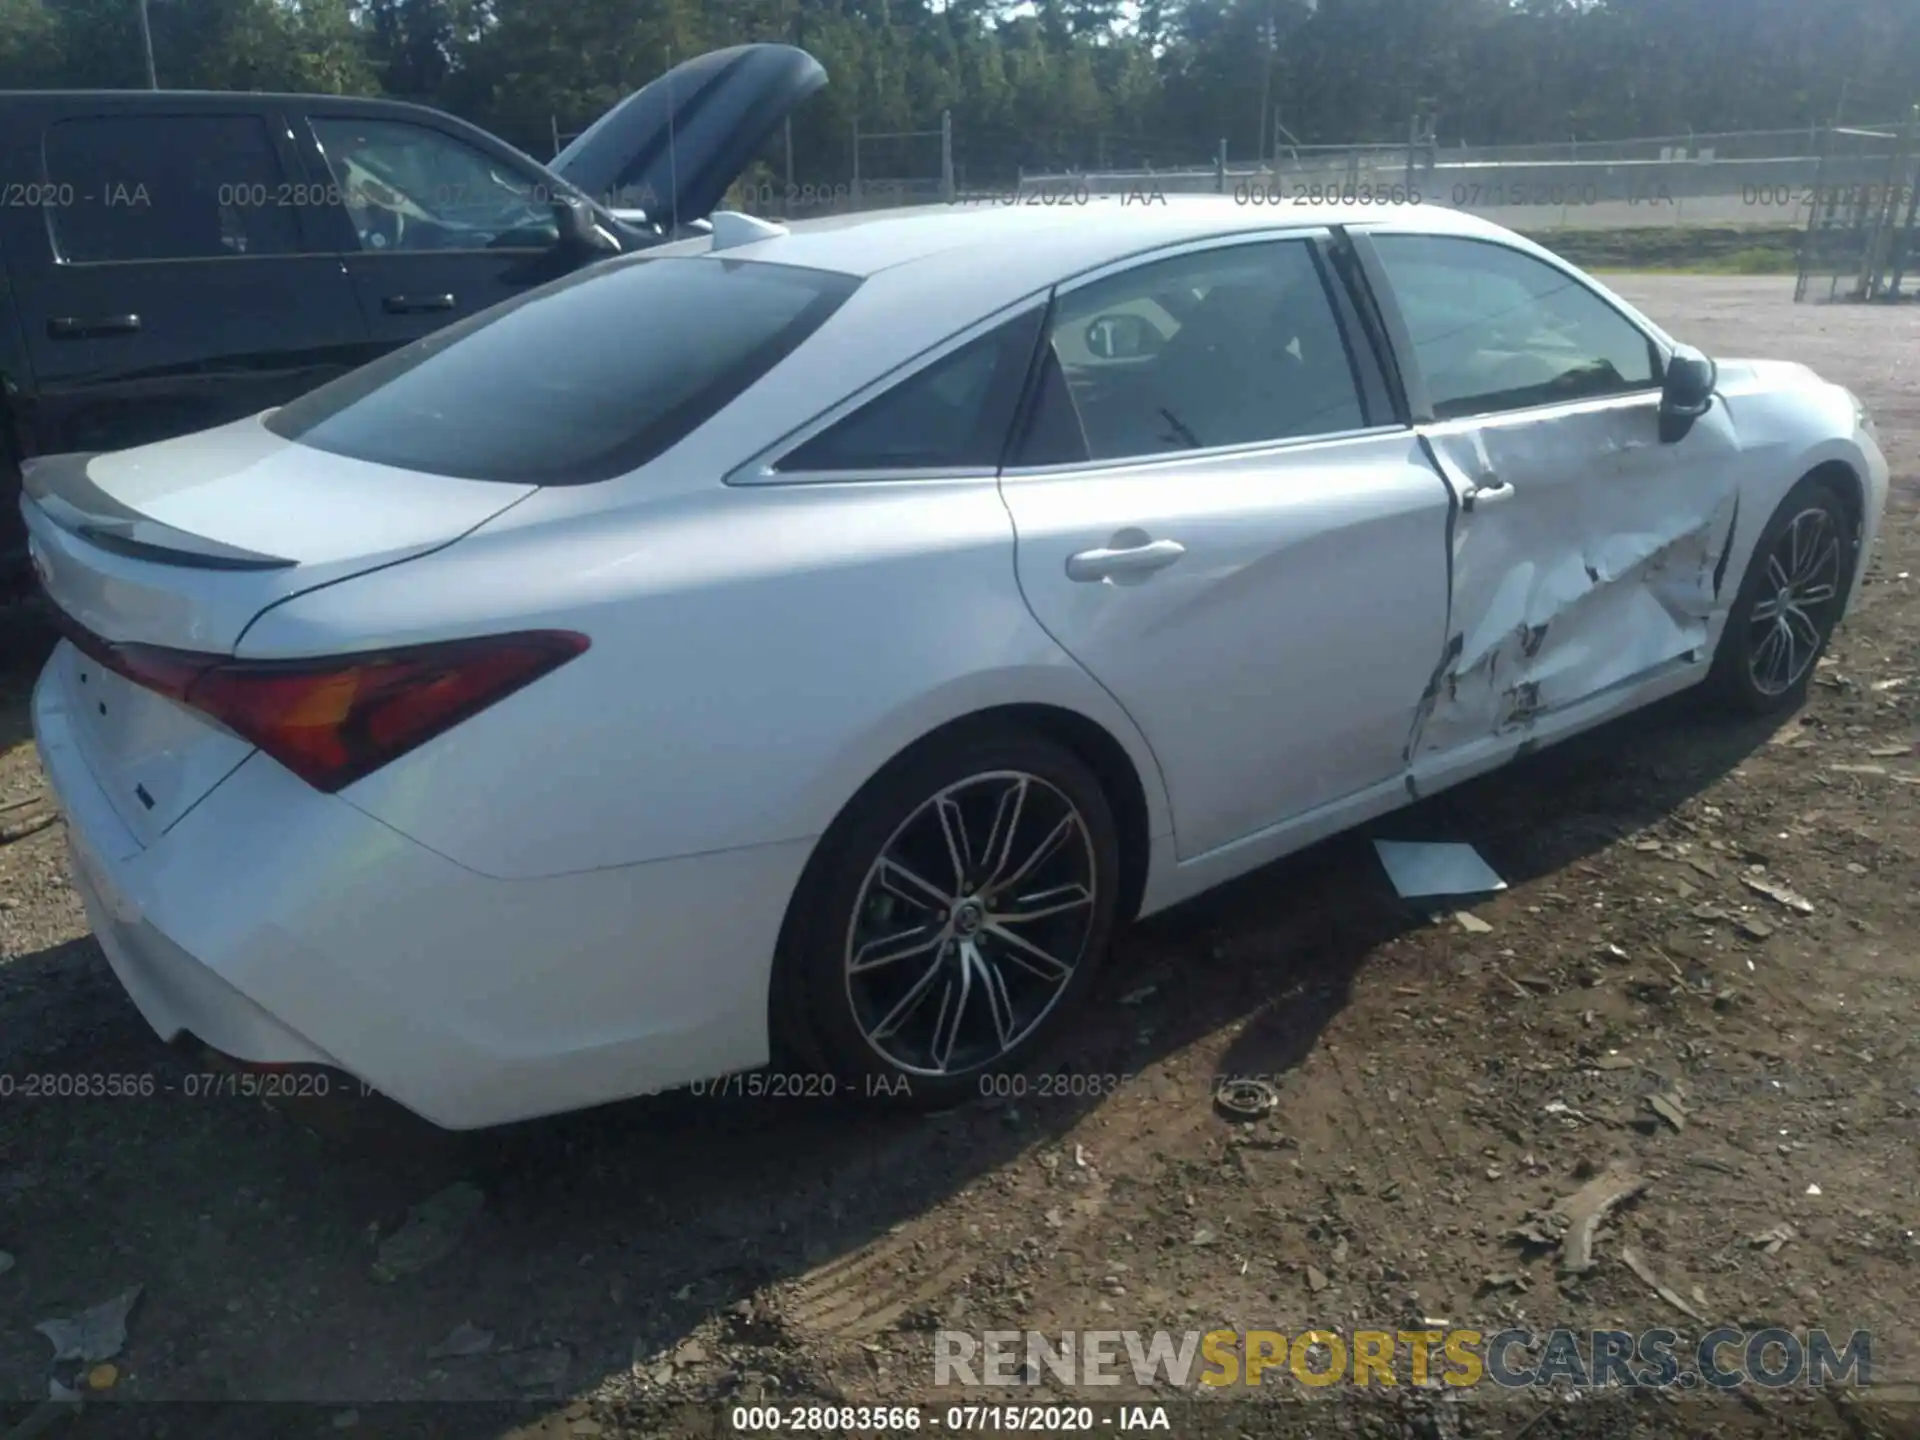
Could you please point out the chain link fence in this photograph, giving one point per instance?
(1861, 235)
(1839, 202)
(1750, 178)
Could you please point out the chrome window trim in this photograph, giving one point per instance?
(1165, 459)
(763, 477)
(1553, 408)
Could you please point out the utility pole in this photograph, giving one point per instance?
(946, 156)
(146, 45)
(1269, 40)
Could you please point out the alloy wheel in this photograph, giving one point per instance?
(1791, 619)
(971, 923)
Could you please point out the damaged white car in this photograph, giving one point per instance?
(810, 644)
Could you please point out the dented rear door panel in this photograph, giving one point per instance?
(1604, 566)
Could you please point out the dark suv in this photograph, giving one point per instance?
(175, 260)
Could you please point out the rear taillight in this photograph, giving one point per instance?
(332, 721)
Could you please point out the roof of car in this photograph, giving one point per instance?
(198, 99)
(928, 271)
(1052, 241)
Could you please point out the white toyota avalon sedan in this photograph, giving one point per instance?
(808, 645)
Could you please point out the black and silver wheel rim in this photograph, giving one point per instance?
(1798, 600)
(971, 923)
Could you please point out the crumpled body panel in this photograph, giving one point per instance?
(1605, 562)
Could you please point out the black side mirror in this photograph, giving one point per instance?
(580, 230)
(1687, 393)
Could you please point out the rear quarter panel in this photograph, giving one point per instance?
(758, 653)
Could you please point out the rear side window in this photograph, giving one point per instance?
(950, 415)
(168, 187)
(1232, 345)
(578, 381)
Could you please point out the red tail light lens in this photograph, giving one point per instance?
(335, 720)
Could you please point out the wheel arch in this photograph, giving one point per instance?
(1846, 478)
(1851, 486)
(1832, 463)
(1845, 489)
(1093, 743)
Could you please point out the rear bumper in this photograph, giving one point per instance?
(173, 991)
(280, 925)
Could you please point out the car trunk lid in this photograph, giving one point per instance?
(183, 542)
(177, 547)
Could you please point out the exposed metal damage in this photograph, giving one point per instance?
(1560, 630)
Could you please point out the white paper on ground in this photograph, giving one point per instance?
(1418, 868)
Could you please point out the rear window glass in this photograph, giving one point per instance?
(578, 381)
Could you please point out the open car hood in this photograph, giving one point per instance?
(674, 146)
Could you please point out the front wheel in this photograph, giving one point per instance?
(1789, 602)
(954, 917)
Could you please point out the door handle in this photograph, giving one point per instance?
(88, 327)
(1131, 562)
(1487, 494)
(415, 304)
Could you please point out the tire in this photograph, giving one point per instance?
(1775, 633)
(961, 994)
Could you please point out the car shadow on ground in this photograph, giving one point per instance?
(613, 1234)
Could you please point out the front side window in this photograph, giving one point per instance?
(580, 380)
(1494, 329)
(168, 187)
(408, 187)
(1229, 346)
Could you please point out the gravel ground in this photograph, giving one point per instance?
(1438, 1087)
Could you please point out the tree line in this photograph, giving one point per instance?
(1052, 84)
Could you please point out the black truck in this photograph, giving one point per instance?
(173, 260)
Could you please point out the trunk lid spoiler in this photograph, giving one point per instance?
(184, 542)
(60, 486)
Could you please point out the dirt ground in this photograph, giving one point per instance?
(1437, 1087)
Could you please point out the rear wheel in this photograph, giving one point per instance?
(953, 919)
(1789, 601)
